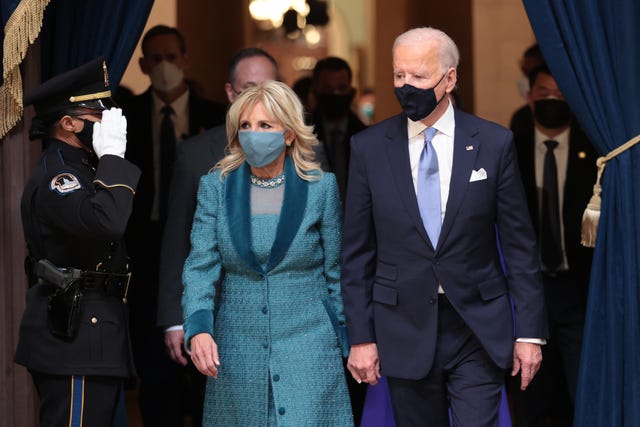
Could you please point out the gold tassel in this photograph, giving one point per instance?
(590, 219)
(591, 215)
(21, 30)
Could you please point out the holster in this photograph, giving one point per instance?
(64, 310)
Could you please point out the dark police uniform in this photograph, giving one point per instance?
(74, 213)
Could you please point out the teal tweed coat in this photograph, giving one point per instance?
(270, 321)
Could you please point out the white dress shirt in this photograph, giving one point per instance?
(443, 145)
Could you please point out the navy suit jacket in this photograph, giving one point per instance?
(391, 272)
(194, 157)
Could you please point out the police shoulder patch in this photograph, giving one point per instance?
(64, 183)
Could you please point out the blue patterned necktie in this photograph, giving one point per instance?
(429, 188)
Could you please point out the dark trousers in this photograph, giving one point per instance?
(72, 401)
(550, 397)
(167, 391)
(463, 377)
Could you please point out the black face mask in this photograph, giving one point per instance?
(418, 103)
(334, 106)
(552, 113)
(86, 134)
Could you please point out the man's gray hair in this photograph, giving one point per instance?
(448, 51)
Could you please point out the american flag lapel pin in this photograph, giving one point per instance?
(469, 148)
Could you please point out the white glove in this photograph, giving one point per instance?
(110, 135)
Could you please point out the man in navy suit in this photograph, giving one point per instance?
(427, 301)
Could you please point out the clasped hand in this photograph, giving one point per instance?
(364, 364)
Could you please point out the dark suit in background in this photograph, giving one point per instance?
(552, 392)
(333, 154)
(335, 124)
(194, 158)
(162, 382)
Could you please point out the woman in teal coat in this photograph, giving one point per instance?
(262, 305)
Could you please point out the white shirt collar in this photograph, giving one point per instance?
(445, 124)
(179, 105)
(561, 138)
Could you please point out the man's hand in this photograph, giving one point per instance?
(174, 341)
(363, 363)
(527, 358)
(204, 353)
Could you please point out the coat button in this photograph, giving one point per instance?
(432, 301)
(276, 378)
(265, 344)
(264, 310)
(94, 320)
(281, 411)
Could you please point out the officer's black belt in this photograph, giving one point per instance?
(108, 283)
(96, 281)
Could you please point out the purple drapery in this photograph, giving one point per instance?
(378, 412)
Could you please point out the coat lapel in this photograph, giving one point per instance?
(237, 195)
(398, 155)
(293, 209)
(465, 151)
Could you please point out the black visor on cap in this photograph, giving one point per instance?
(98, 104)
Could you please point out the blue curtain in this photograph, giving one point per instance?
(76, 31)
(593, 51)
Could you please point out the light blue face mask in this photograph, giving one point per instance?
(261, 148)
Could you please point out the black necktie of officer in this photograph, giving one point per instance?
(167, 154)
(550, 246)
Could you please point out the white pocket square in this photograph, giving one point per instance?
(478, 175)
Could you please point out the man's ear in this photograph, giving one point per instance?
(452, 79)
(67, 123)
(143, 65)
(187, 61)
(228, 89)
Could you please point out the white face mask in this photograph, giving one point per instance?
(166, 76)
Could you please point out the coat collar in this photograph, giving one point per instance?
(237, 195)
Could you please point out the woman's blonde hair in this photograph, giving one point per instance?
(283, 106)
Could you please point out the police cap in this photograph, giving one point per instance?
(86, 86)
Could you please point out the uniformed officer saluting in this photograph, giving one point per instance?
(75, 207)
